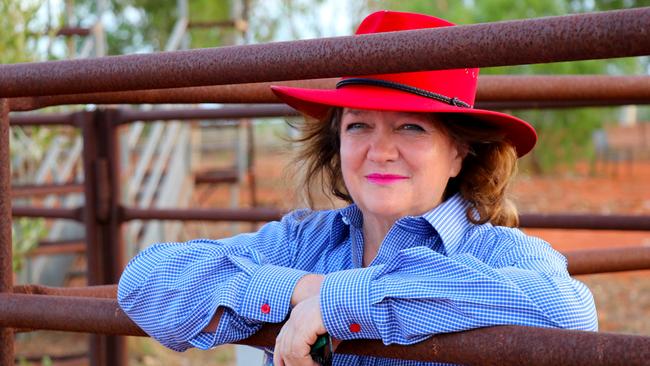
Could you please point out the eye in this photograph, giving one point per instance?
(355, 126)
(412, 127)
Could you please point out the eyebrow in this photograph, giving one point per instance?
(354, 112)
(357, 112)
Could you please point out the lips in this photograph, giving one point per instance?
(378, 178)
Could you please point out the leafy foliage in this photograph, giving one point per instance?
(15, 34)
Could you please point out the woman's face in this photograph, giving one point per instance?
(395, 164)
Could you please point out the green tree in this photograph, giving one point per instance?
(15, 17)
(565, 135)
(146, 25)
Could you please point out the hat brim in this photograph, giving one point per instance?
(317, 102)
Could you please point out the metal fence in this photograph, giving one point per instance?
(200, 75)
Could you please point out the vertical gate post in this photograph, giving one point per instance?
(105, 253)
(6, 257)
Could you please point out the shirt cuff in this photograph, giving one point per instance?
(346, 306)
(268, 296)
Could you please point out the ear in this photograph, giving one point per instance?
(457, 155)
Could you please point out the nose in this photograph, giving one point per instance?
(382, 147)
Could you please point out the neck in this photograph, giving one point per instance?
(374, 231)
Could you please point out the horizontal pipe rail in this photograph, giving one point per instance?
(591, 261)
(213, 24)
(251, 111)
(502, 345)
(494, 92)
(102, 291)
(77, 356)
(58, 247)
(48, 213)
(585, 221)
(50, 119)
(619, 33)
(215, 214)
(27, 190)
(215, 177)
(545, 221)
(73, 31)
(550, 221)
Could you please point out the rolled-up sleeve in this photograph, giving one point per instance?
(421, 292)
(173, 290)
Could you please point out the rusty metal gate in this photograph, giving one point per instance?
(202, 76)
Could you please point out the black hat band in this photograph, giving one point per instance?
(405, 88)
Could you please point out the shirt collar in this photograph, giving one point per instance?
(450, 221)
(351, 215)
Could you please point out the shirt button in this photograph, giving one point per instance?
(266, 308)
(355, 328)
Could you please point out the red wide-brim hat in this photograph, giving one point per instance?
(439, 91)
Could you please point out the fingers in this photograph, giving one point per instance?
(291, 349)
(293, 343)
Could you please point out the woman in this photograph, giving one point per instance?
(426, 246)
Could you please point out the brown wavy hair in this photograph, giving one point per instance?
(487, 170)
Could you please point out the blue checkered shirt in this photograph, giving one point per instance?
(434, 273)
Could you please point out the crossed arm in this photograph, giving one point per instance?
(208, 293)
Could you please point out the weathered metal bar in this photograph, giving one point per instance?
(54, 358)
(239, 93)
(585, 221)
(216, 214)
(589, 261)
(102, 291)
(494, 92)
(502, 345)
(104, 249)
(66, 313)
(41, 119)
(273, 110)
(558, 104)
(212, 24)
(58, 247)
(6, 250)
(44, 189)
(554, 221)
(49, 213)
(73, 31)
(212, 177)
(619, 33)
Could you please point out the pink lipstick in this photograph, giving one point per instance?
(384, 178)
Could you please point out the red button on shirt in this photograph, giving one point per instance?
(355, 328)
(266, 308)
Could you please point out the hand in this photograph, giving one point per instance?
(298, 334)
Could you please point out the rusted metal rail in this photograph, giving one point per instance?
(48, 212)
(105, 291)
(539, 221)
(585, 221)
(494, 92)
(6, 255)
(502, 345)
(59, 247)
(590, 261)
(104, 247)
(609, 34)
(215, 214)
(30, 190)
(41, 119)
